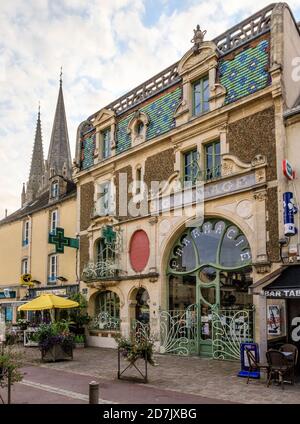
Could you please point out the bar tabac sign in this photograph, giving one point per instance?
(283, 293)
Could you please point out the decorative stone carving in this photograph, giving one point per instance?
(259, 160)
(260, 195)
(244, 209)
(197, 40)
(232, 165)
(262, 264)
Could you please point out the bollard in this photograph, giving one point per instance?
(93, 392)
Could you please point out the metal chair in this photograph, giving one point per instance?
(254, 365)
(280, 367)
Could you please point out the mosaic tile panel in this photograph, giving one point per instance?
(160, 113)
(87, 151)
(246, 73)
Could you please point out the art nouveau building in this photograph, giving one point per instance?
(29, 265)
(212, 124)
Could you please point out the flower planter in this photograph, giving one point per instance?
(79, 345)
(57, 353)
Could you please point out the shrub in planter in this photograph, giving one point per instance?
(135, 348)
(79, 340)
(55, 341)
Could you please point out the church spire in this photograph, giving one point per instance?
(37, 168)
(59, 156)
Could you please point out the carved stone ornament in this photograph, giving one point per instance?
(260, 195)
(262, 264)
(232, 165)
(198, 38)
(259, 160)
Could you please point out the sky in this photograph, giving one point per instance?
(106, 48)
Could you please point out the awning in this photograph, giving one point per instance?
(286, 285)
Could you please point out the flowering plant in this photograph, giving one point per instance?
(136, 347)
(57, 333)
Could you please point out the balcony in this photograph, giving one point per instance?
(206, 176)
(102, 270)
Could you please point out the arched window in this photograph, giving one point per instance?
(216, 257)
(107, 308)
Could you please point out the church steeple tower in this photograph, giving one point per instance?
(59, 156)
(37, 168)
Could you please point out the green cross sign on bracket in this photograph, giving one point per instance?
(108, 234)
(58, 238)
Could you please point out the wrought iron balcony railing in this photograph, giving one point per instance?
(206, 175)
(94, 271)
(104, 321)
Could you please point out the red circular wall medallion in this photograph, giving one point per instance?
(139, 251)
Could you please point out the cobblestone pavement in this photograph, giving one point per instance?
(190, 375)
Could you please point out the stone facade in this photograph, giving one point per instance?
(254, 135)
(233, 147)
(86, 205)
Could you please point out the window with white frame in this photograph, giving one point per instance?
(26, 227)
(54, 190)
(24, 266)
(52, 269)
(54, 221)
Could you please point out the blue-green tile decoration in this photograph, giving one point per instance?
(246, 73)
(160, 113)
(87, 151)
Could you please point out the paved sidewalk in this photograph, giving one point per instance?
(207, 378)
(46, 385)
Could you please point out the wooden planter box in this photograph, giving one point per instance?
(57, 353)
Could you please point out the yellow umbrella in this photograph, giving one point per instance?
(48, 301)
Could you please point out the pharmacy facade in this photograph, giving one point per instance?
(210, 125)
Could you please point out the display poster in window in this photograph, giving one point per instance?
(273, 320)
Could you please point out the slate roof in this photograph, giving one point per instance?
(42, 202)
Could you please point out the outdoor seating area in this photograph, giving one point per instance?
(280, 365)
(47, 327)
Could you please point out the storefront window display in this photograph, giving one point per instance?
(210, 267)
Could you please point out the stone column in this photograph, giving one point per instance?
(260, 322)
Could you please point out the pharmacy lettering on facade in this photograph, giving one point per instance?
(209, 275)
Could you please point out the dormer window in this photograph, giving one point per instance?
(137, 127)
(105, 136)
(200, 96)
(54, 190)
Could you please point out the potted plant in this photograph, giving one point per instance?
(134, 348)
(55, 341)
(79, 340)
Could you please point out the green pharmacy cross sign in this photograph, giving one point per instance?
(58, 238)
(108, 234)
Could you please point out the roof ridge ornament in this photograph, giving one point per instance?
(198, 38)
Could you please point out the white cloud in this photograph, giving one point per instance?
(105, 48)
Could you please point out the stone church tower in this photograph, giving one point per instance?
(58, 165)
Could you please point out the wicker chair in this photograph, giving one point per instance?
(254, 365)
(288, 347)
(280, 367)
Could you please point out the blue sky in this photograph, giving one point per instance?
(106, 47)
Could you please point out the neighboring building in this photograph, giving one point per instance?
(218, 118)
(48, 202)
